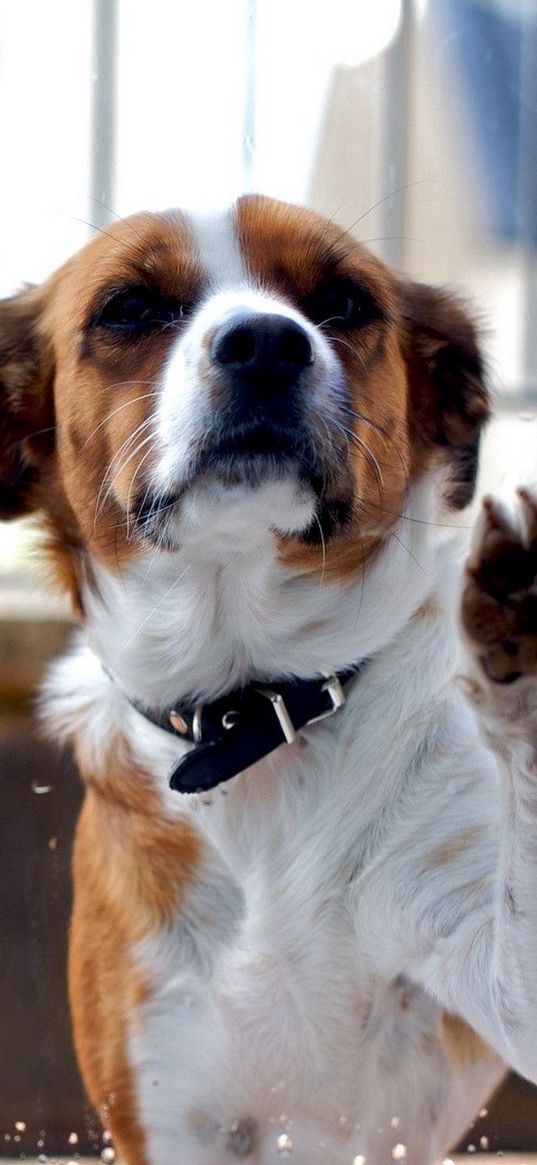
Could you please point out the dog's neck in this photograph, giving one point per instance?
(218, 614)
(222, 610)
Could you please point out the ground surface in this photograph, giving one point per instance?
(458, 1159)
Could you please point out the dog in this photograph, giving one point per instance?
(305, 920)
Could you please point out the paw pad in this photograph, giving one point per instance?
(499, 603)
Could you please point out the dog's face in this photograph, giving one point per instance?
(176, 368)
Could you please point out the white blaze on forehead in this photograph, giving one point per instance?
(185, 411)
(218, 249)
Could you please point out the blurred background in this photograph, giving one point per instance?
(410, 122)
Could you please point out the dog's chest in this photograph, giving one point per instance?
(307, 1017)
(294, 1032)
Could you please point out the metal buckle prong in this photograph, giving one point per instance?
(197, 728)
(332, 685)
(280, 708)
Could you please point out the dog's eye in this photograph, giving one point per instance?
(136, 310)
(341, 303)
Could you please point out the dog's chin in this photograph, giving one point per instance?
(236, 497)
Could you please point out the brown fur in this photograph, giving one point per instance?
(454, 849)
(131, 870)
(27, 412)
(417, 378)
(463, 1045)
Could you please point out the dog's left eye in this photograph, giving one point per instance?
(137, 310)
(343, 303)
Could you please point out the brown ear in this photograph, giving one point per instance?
(449, 398)
(26, 405)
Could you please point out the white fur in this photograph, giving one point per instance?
(217, 249)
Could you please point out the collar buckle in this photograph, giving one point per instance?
(281, 711)
(338, 698)
(331, 685)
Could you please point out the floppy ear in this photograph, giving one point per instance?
(26, 405)
(449, 398)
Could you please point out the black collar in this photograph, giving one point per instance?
(241, 728)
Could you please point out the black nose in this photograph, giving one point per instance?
(262, 350)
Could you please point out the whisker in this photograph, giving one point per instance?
(152, 612)
(381, 201)
(119, 409)
(110, 477)
(156, 549)
(354, 415)
(133, 478)
(154, 508)
(118, 217)
(133, 453)
(391, 239)
(351, 348)
(86, 223)
(409, 552)
(41, 432)
(345, 344)
(323, 544)
(358, 416)
(367, 451)
(425, 522)
(329, 320)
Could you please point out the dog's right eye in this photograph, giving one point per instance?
(137, 310)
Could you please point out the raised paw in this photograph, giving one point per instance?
(499, 602)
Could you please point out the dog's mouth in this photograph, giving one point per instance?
(251, 456)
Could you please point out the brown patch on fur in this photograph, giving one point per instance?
(415, 377)
(427, 1043)
(428, 610)
(314, 628)
(154, 856)
(105, 387)
(132, 867)
(292, 250)
(73, 396)
(449, 401)
(462, 1044)
(478, 890)
(380, 461)
(26, 406)
(455, 848)
(340, 559)
(289, 248)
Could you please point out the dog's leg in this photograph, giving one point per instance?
(144, 884)
(478, 958)
(499, 620)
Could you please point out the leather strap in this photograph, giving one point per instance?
(241, 728)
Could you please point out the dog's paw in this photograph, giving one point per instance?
(499, 602)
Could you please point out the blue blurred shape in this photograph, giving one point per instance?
(493, 47)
